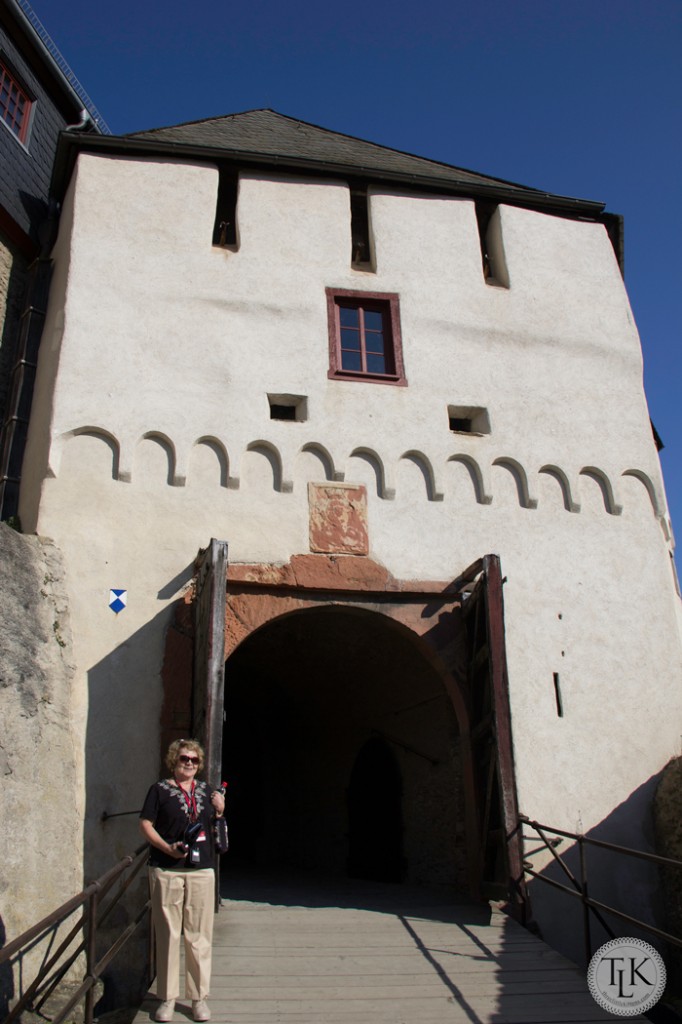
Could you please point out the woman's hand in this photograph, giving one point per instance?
(218, 801)
(177, 850)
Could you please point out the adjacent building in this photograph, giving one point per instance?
(39, 98)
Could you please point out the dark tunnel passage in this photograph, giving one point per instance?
(341, 750)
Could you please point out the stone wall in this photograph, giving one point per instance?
(40, 758)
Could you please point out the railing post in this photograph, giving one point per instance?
(91, 956)
(152, 949)
(583, 899)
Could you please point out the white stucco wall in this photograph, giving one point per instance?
(158, 355)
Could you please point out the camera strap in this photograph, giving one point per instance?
(191, 802)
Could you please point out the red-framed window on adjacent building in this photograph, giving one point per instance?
(365, 341)
(15, 103)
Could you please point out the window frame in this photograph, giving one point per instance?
(388, 303)
(15, 82)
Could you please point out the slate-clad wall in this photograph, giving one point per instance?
(25, 169)
(25, 173)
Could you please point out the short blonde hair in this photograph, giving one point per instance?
(178, 745)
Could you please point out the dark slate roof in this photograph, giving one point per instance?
(264, 138)
(269, 134)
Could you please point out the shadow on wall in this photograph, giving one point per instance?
(121, 761)
(626, 883)
(668, 820)
(16, 289)
(37, 211)
(6, 978)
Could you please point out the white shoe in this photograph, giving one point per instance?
(200, 1010)
(164, 1012)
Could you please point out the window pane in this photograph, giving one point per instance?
(14, 103)
(349, 317)
(374, 320)
(350, 339)
(375, 363)
(351, 361)
(361, 328)
(374, 342)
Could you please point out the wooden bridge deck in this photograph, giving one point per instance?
(359, 953)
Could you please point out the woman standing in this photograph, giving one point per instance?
(177, 820)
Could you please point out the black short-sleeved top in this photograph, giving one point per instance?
(167, 809)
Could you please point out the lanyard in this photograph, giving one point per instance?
(191, 802)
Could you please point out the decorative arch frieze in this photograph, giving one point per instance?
(167, 446)
(325, 459)
(520, 478)
(179, 465)
(657, 505)
(481, 491)
(109, 439)
(423, 464)
(373, 460)
(605, 486)
(272, 455)
(216, 446)
(564, 485)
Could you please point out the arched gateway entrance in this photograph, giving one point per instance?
(342, 749)
(325, 687)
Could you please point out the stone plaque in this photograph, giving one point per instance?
(338, 519)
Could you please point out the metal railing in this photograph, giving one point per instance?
(84, 933)
(579, 886)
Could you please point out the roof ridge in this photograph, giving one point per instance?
(201, 120)
(263, 136)
(405, 152)
(343, 135)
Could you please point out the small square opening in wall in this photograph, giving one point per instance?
(468, 419)
(292, 408)
(462, 426)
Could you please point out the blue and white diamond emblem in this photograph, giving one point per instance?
(118, 600)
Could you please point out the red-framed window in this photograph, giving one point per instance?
(365, 340)
(15, 104)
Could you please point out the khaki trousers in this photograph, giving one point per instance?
(183, 901)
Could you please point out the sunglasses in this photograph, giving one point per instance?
(185, 759)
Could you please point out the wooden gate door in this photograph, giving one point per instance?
(209, 661)
(499, 839)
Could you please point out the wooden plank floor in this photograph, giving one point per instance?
(305, 951)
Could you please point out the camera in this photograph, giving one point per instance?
(191, 833)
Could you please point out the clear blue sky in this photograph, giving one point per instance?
(578, 97)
